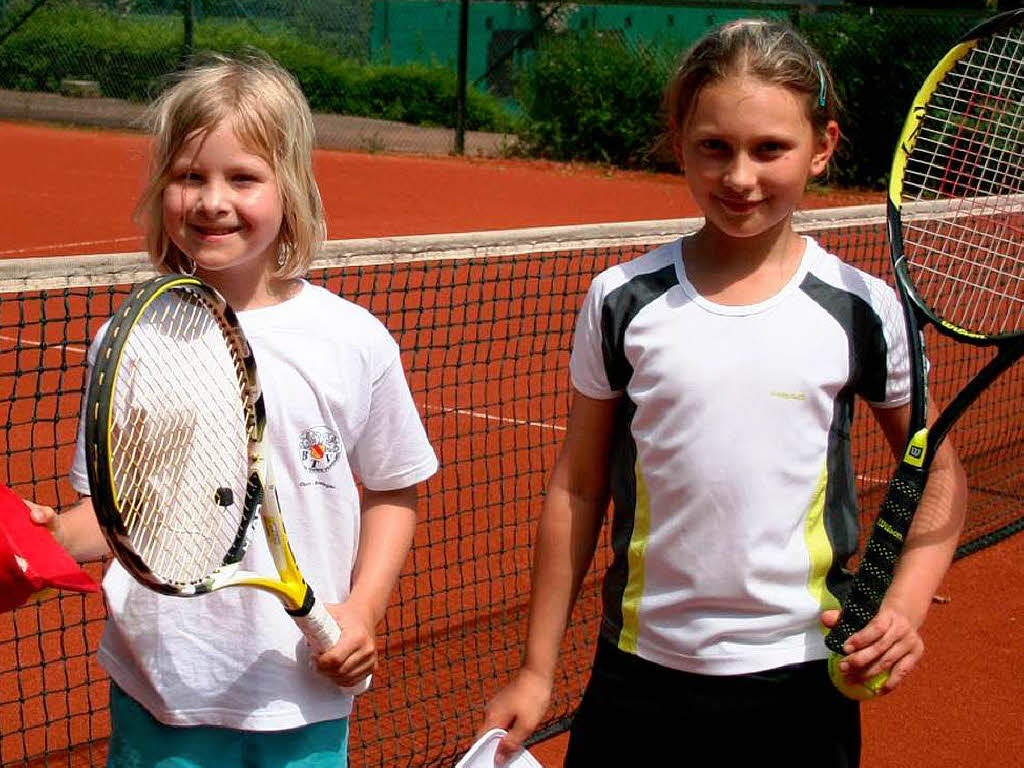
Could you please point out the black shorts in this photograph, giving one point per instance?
(637, 713)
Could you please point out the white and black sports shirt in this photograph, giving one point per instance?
(735, 506)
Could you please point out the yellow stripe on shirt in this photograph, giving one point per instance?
(635, 559)
(819, 549)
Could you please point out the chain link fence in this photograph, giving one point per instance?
(381, 74)
(101, 61)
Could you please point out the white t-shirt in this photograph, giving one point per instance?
(735, 509)
(332, 378)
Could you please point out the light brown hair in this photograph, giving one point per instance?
(771, 51)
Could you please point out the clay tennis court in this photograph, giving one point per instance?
(71, 192)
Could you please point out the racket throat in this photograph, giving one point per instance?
(308, 600)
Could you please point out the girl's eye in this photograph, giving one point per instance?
(714, 146)
(772, 148)
(187, 177)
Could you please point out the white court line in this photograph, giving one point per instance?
(490, 417)
(873, 479)
(876, 480)
(50, 247)
(31, 343)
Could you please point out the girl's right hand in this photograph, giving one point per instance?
(42, 515)
(518, 709)
(75, 529)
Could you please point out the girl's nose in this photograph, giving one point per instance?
(739, 174)
(212, 199)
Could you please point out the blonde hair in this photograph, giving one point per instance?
(270, 116)
(771, 51)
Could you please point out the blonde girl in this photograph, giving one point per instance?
(227, 679)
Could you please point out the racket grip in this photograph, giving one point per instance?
(875, 572)
(323, 633)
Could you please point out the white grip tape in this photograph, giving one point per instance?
(319, 627)
(323, 632)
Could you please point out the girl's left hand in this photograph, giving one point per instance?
(889, 643)
(355, 654)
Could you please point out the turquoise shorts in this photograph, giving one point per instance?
(139, 740)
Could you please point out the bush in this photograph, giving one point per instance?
(592, 98)
(77, 42)
(130, 57)
(876, 86)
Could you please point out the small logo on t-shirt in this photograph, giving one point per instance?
(319, 449)
(788, 395)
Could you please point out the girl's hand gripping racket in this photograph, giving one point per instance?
(956, 230)
(178, 459)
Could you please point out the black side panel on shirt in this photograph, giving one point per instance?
(868, 375)
(868, 349)
(620, 307)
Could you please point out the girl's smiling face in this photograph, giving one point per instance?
(223, 208)
(748, 149)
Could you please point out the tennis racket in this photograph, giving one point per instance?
(956, 230)
(178, 459)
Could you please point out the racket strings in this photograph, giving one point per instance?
(964, 248)
(140, 497)
(180, 436)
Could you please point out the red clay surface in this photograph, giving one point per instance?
(73, 191)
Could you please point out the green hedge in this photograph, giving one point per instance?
(582, 97)
(592, 98)
(879, 60)
(597, 98)
(130, 57)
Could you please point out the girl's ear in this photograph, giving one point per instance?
(827, 141)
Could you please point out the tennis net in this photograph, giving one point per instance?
(484, 321)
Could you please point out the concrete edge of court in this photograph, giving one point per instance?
(362, 134)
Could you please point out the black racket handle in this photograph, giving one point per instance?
(875, 572)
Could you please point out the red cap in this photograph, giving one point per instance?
(31, 560)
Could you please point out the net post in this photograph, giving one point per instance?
(460, 88)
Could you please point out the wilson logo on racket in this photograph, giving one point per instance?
(961, 331)
(890, 530)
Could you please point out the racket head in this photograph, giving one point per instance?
(956, 232)
(172, 411)
(956, 202)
